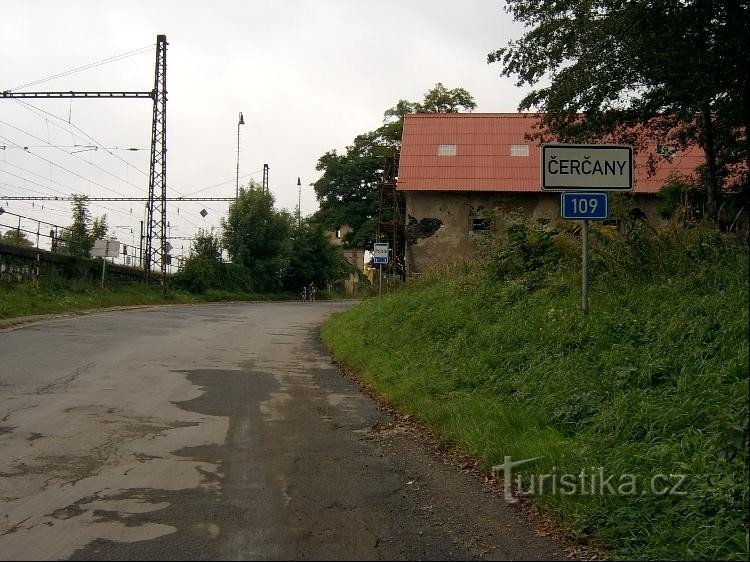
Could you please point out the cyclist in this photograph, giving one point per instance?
(311, 291)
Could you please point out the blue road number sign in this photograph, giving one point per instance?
(578, 205)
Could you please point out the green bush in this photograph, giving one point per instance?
(199, 275)
(526, 251)
(642, 251)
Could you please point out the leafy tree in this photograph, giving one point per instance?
(257, 236)
(442, 100)
(79, 237)
(437, 100)
(206, 246)
(16, 238)
(78, 241)
(673, 72)
(347, 190)
(313, 257)
(99, 228)
(203, 268)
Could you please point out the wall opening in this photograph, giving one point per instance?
(480, 224)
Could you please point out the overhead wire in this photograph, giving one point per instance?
(47, 206)
(88, 66)
(35, 109)
(39, 112)
(73, 154)
(49, 188)
(222, 183)
(31, 107)
(71, 172)
(47, 210)
(95, 141)
(100, 145)
(96, 204)
(64, 194)
(64, 146)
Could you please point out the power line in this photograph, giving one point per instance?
(25, 231)
(224, 182)
(34, 182)
(70, 71)
(159, 96)
(156, 208)
(6, 212)
(46, 207)
(113, 199)
(70, 198)
(76, 174)
(62, 194)
(36, 111)
(31, 108)
(70, 154)
(63, 146)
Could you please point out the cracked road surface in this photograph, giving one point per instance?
(220, 432)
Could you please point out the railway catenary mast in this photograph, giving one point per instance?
(156, 213)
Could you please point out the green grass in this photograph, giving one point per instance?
(653, 381)
(25, 299)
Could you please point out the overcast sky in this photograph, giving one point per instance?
(308, 75)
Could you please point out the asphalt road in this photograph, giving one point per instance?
(220, 432)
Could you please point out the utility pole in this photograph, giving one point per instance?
(265, 177)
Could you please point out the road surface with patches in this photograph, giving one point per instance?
(220, 432)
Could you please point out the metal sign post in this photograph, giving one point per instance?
(380, 252)
(586, 167)
(584, 206)
(585, 276)
(105, 249)
(380, 280)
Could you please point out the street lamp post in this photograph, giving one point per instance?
(299, 203)
(241, 121)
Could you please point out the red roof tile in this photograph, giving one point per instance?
(483, 160)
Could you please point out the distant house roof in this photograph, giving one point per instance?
(489, 152)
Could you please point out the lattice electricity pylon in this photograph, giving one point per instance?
(156, 216)
(157, 209)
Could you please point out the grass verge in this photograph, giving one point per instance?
(25, 299)
(650, 388)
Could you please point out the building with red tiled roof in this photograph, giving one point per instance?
(462, 173)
